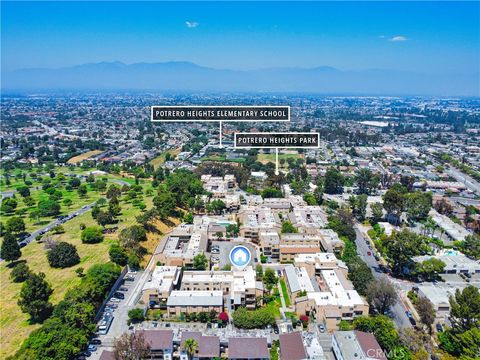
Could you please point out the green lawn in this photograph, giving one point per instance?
(274, 307)
(283, 285)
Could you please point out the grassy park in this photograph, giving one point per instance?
(266, 158)
(13, 322)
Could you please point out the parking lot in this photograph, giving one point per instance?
(117, 309)
(224, 247)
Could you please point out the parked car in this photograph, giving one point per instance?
(321, 327)
(409, 314)
(119, 295)
(96, 342)
(91, 348)
(439, 327)
(275, 329)
(123, 288)
(369, 253)
(412, 321)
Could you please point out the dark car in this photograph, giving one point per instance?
(96, 342)
(439, 327)
(275, 329)
(119, 295)
(412, 321)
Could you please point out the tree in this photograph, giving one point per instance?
(67, 202)
(90, 178)
(377, 212)
(426, 311)
(103, 218)
(190, 346)
(113, 191)
(118, 255)
(288, 228)
(216, 206)
(417, 205)
(430, 268)
(74, 182)
(8, 205)
(200, 262)
(165, 204)
(359, 206)
(10, 250)
(401, 247)
(381, 295)
(253, 319)
(393, 201)
(15, 225)
(188, 218)
(131, 346)
(24, 191)
(334, 181)
(310, 199)
(271, 192)
(48, 207)
(82, 190)
(359, 274)
(135, 315)
(63, 255)
(92, 235)
(20, 272)
(114, 208)
(465, 309)
(366, 181)
(34, 297)
(269, 279)
(471, 246)
(131, 236)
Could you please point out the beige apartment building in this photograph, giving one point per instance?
(321, 280)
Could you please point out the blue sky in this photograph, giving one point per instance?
(427, 37)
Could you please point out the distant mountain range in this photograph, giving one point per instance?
(186, 76)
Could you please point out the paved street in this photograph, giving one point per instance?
(464, 179)
(398, 311)
(56, 222)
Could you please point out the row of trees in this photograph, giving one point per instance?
(72, 323)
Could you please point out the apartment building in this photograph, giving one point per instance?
(188, 302)
(160, 284)
(333, 298)
(238, 288)
(308, 219)
(330, 242)
(183, 245)
(256, 219)
(269, 242)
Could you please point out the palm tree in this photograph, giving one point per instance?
(191, 347)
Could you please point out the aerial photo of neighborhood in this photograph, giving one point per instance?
(338, 222)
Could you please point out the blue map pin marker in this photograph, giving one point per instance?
(240, 257)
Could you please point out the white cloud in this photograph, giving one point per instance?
(398, 38)
(191, 24)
